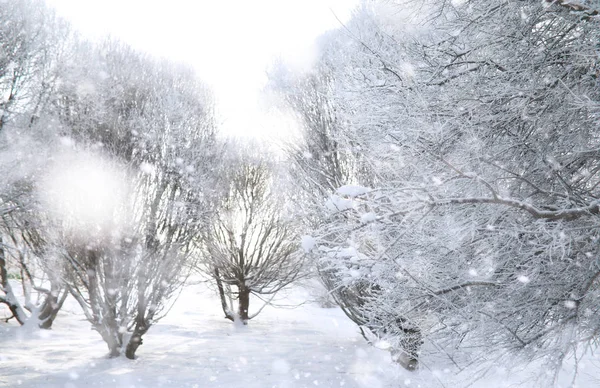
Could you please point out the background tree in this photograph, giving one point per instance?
(43, 293)
(144, 128)
(250, 244)
(99, 117)
(33, 42)
(325, 156)
(33, 47)
(335, 152)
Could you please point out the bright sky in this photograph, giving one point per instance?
(230, 42)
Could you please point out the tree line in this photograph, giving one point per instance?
(116, 186)
(446, 180)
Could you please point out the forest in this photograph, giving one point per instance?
(442, 191)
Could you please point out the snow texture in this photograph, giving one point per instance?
(337, 203)
(352, 190)
(308, 243)
(195, 347)
(368, 217)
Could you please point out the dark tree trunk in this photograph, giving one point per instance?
(52, 304)
(10, 301)
(244, 304)
(136, 339)
(408, 355)
(133, 345)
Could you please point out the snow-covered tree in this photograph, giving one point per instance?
(22, 249)
(33, 44)
(33, 41)
(142, 129)
(477, 230)
(250, 245)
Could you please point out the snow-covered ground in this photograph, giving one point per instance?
(194, 346)
(301, 345)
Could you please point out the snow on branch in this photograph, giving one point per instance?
(576, 6)
(563, 214)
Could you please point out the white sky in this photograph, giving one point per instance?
(229, 42)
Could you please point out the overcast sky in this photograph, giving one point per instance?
(230, 43)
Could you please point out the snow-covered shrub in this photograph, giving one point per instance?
(477, 124)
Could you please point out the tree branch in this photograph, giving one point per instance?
(563, 214)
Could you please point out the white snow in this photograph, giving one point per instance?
(523, 279)
(281, 366)
(352, 190)
(337, 203)
(67, 141)
(194, 346)
(308, 243)
(347, 252)
(368, 217)
(437, 181)
(570, 304)
(147, 168)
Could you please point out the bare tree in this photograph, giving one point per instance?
(324, 157)
(117, 120)
(21, 250)
(145, 128)
(34, 42)
(250, 244)
(33, 45)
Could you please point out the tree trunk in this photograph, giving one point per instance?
(111, 337)
(136, 339)
(52, 304)
(114, 351)
(223, 297)
(133, 345)
(244, 304)
(408, 355)
(10, 300)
